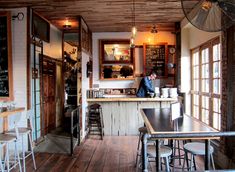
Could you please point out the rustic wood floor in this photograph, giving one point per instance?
(113, 154)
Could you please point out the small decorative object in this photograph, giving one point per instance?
(34, 73)
(172, 50)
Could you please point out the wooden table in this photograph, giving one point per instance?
(160, 126)
(7, 113)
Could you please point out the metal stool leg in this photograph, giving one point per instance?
(31, 147)
(7, 157)
(212, 161)
(138, 146)
(167, 164)
(1, 165)
(191, 162)
(18, 156)
(23, 153)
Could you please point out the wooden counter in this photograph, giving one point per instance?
(5, 114)
(121, 115)
(131, 99)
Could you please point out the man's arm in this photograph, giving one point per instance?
(148, 85)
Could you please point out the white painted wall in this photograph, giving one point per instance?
(191, 37)
(142, 37)
(19, 63)
(85, 86)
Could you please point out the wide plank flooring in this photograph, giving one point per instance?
(113, 154)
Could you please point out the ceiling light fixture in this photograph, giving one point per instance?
(67, 25)
(154, 32)
(133, 29)
(154, 29)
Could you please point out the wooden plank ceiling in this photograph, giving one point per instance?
(108, 15)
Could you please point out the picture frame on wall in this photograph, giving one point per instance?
(40, 28)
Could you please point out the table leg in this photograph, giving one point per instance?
(144, 153)
(5, 124)
(158, 162)
(207, 154)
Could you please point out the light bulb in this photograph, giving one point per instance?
(134, 31)
(206, 5)
(132, 42)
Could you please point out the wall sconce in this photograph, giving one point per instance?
(19, 16)
(67, 25)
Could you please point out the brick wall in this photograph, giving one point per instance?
(228, 83)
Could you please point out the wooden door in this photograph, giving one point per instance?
(48, 122)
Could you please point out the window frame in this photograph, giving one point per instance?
(208, 93)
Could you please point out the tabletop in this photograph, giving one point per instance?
(11, 112)
(7, 113)
(159, 121)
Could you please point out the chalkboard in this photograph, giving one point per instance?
(5, 56)
(155, 59)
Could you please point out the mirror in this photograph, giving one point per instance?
(116, 59)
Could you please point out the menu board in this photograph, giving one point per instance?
(155, 59)
(5, 58)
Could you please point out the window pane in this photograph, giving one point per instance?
(216, 120)
(196, 58)
(195, 99)
(196, 85)
(205, 116)
(216, 69)
(205, 102)
(196, 112)
(205, 55)
(205, 71)
(216, 105)
(196, 72)
(216, 86)
(205, 85)
(216, 52)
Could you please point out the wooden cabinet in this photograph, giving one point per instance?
(156, 59)
(6, 82)
(116, 60)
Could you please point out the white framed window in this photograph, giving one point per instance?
(206, 83)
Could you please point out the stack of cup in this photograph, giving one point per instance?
(173, 92)
(165, 92)
(157, 91)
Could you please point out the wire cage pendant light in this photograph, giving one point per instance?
(133, 29)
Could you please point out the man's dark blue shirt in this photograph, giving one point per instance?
(145, 87)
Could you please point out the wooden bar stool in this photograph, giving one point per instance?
(196, 148)
(6, 139)
(142, 130)
(95, 120)
(26, 131)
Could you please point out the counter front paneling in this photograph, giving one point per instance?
(121, 115)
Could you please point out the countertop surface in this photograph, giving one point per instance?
(131, 99)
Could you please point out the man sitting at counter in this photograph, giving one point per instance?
(146, 85)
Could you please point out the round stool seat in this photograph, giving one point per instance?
(164, 151)
(197, 148)
(143, 130)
